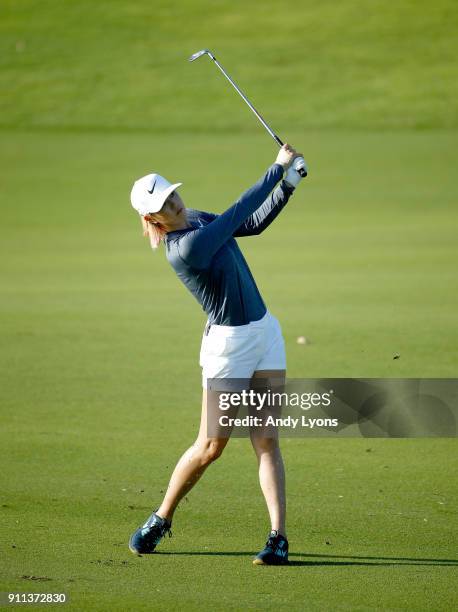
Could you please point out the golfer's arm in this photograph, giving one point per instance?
(267, 212)
(198, 247)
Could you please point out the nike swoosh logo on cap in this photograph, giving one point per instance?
(152, 188)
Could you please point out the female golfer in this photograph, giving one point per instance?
(242, 340)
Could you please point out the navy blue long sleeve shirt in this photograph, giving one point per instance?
(207, 258)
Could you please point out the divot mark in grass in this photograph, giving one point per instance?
(109, 562)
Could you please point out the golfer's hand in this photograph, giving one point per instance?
(286, 155)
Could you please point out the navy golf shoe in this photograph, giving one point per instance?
(275, 552)
(146, 538)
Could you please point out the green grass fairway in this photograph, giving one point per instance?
(100, 386)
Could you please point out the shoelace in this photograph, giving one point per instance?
(156, 532)
(165, 529)
(271, 543)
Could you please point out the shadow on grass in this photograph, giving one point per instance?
(331, 560)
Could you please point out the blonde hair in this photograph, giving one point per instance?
(154, 231)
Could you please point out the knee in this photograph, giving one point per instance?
(264, 445)
(211, 450)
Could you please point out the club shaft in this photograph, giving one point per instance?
(240, 92)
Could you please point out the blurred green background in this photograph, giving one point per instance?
(100, 383)
(116, 64)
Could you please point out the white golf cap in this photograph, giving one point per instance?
(150, 192)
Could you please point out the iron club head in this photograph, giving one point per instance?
(199, 54)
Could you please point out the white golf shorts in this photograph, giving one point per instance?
(239, 351)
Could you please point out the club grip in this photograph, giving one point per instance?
(299, 166)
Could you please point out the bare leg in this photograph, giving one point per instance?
(271, 469)
(191, 466)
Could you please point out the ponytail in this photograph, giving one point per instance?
(154, 231)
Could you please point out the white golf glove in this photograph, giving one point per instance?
(293, 177)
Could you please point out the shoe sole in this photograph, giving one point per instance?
(258, 562)
(261, 562)
(132, 549)
(135, 552)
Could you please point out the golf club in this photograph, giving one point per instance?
(299, 163)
